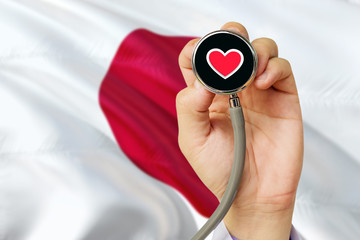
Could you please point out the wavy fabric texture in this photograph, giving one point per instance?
(138, 98)
(62, 174)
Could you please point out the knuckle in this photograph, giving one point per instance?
(181, 97)
(282, 68)
(267, 42)
(265, 45)
(285, 65)
(286, 62)
(270, 42)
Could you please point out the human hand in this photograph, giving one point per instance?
(264, 204)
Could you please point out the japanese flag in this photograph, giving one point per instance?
(88, 129)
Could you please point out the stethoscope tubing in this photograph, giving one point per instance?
(238, 123)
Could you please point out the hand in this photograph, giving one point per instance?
(264, 204)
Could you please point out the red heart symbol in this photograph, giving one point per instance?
(225, 64)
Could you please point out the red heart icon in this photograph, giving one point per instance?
(225, 64)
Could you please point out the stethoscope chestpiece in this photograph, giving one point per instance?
(224, 62)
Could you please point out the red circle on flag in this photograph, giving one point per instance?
(137, 97)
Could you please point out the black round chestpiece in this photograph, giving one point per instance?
(224, 61)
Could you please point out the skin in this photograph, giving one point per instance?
(264, 205)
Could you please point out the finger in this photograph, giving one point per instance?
(192, 107)
(266, 49)
(185, 61)
(277, 74)
(236, 27)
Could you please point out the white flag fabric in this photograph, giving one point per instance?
(62, 173)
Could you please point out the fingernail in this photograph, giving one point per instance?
(262, 77)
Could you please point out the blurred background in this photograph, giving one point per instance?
(74, 163)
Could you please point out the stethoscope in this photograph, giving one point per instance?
(225, 63)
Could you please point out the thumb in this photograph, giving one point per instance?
(192, 107)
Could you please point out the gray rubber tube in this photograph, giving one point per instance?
(237, 119)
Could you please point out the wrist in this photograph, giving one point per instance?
(259, 223)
